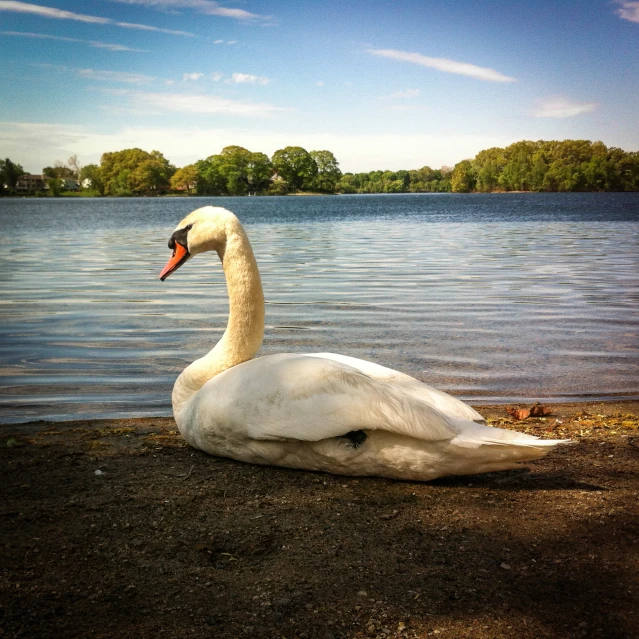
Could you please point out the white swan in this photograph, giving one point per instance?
(324, 412)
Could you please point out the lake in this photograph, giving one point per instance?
(493, 298)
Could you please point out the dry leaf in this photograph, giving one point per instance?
(540, 411)
(518, 413)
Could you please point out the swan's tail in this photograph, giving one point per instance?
(475, 449)
(487, 449)
(474, 435)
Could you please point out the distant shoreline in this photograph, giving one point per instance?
(303, 194)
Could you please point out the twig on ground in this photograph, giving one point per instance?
(189, 473)
(182, 475)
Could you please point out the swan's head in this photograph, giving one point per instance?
(200, 231)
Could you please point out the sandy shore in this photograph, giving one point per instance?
(115, 528)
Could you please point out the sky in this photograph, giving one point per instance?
(384, 85)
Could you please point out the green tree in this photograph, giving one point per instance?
(185, 179)
(235, 171)
(328, 173)
(444, 179)
(210, 180)
(393, 186)
(259, 171)
(463, 177)
(234, 162)
(568, 160)
(538, 170)
(488, 165)
(347, 184)
(55, 186)
(403, 177)
(427, 180)
(92, 172)
(10, 173)
(375, 182)
(58, 170)
(623, 170)
(568, 165)
(135, 172)
(278, 187)
(295, 165)
(515, 170)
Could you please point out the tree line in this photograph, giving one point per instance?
(234, 171)
(569, 165)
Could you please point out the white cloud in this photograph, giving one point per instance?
(561, 108)
(208, 7)
(202, 104)
(319, 83)
(92, 43)
(247, 78)
(443, 64)
(628, 11)
(406, 93)
(405, 108)
(192, 76)
(32, 142)
(146, 27)
(51, 12)
(114, 76)
(240, 78)
(36, 145)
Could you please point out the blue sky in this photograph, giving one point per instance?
(382, 84)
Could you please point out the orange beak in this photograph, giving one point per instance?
(180, 255)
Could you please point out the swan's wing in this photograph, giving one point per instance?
(311, 398)
(443, 402)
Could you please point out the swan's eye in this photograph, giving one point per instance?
(180, 236)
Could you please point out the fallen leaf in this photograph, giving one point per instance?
(540, 411)
(519, 413)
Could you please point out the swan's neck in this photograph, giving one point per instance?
(245, 329)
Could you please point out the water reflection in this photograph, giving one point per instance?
(493, 298)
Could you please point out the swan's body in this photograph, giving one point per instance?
(323, 411)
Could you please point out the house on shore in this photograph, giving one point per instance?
(31, 183)
(70, 184)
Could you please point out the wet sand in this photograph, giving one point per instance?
(116, 528)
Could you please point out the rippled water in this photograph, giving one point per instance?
(491, 297)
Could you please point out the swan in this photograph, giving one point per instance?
(320, 411)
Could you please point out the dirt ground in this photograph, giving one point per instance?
(116, 528)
